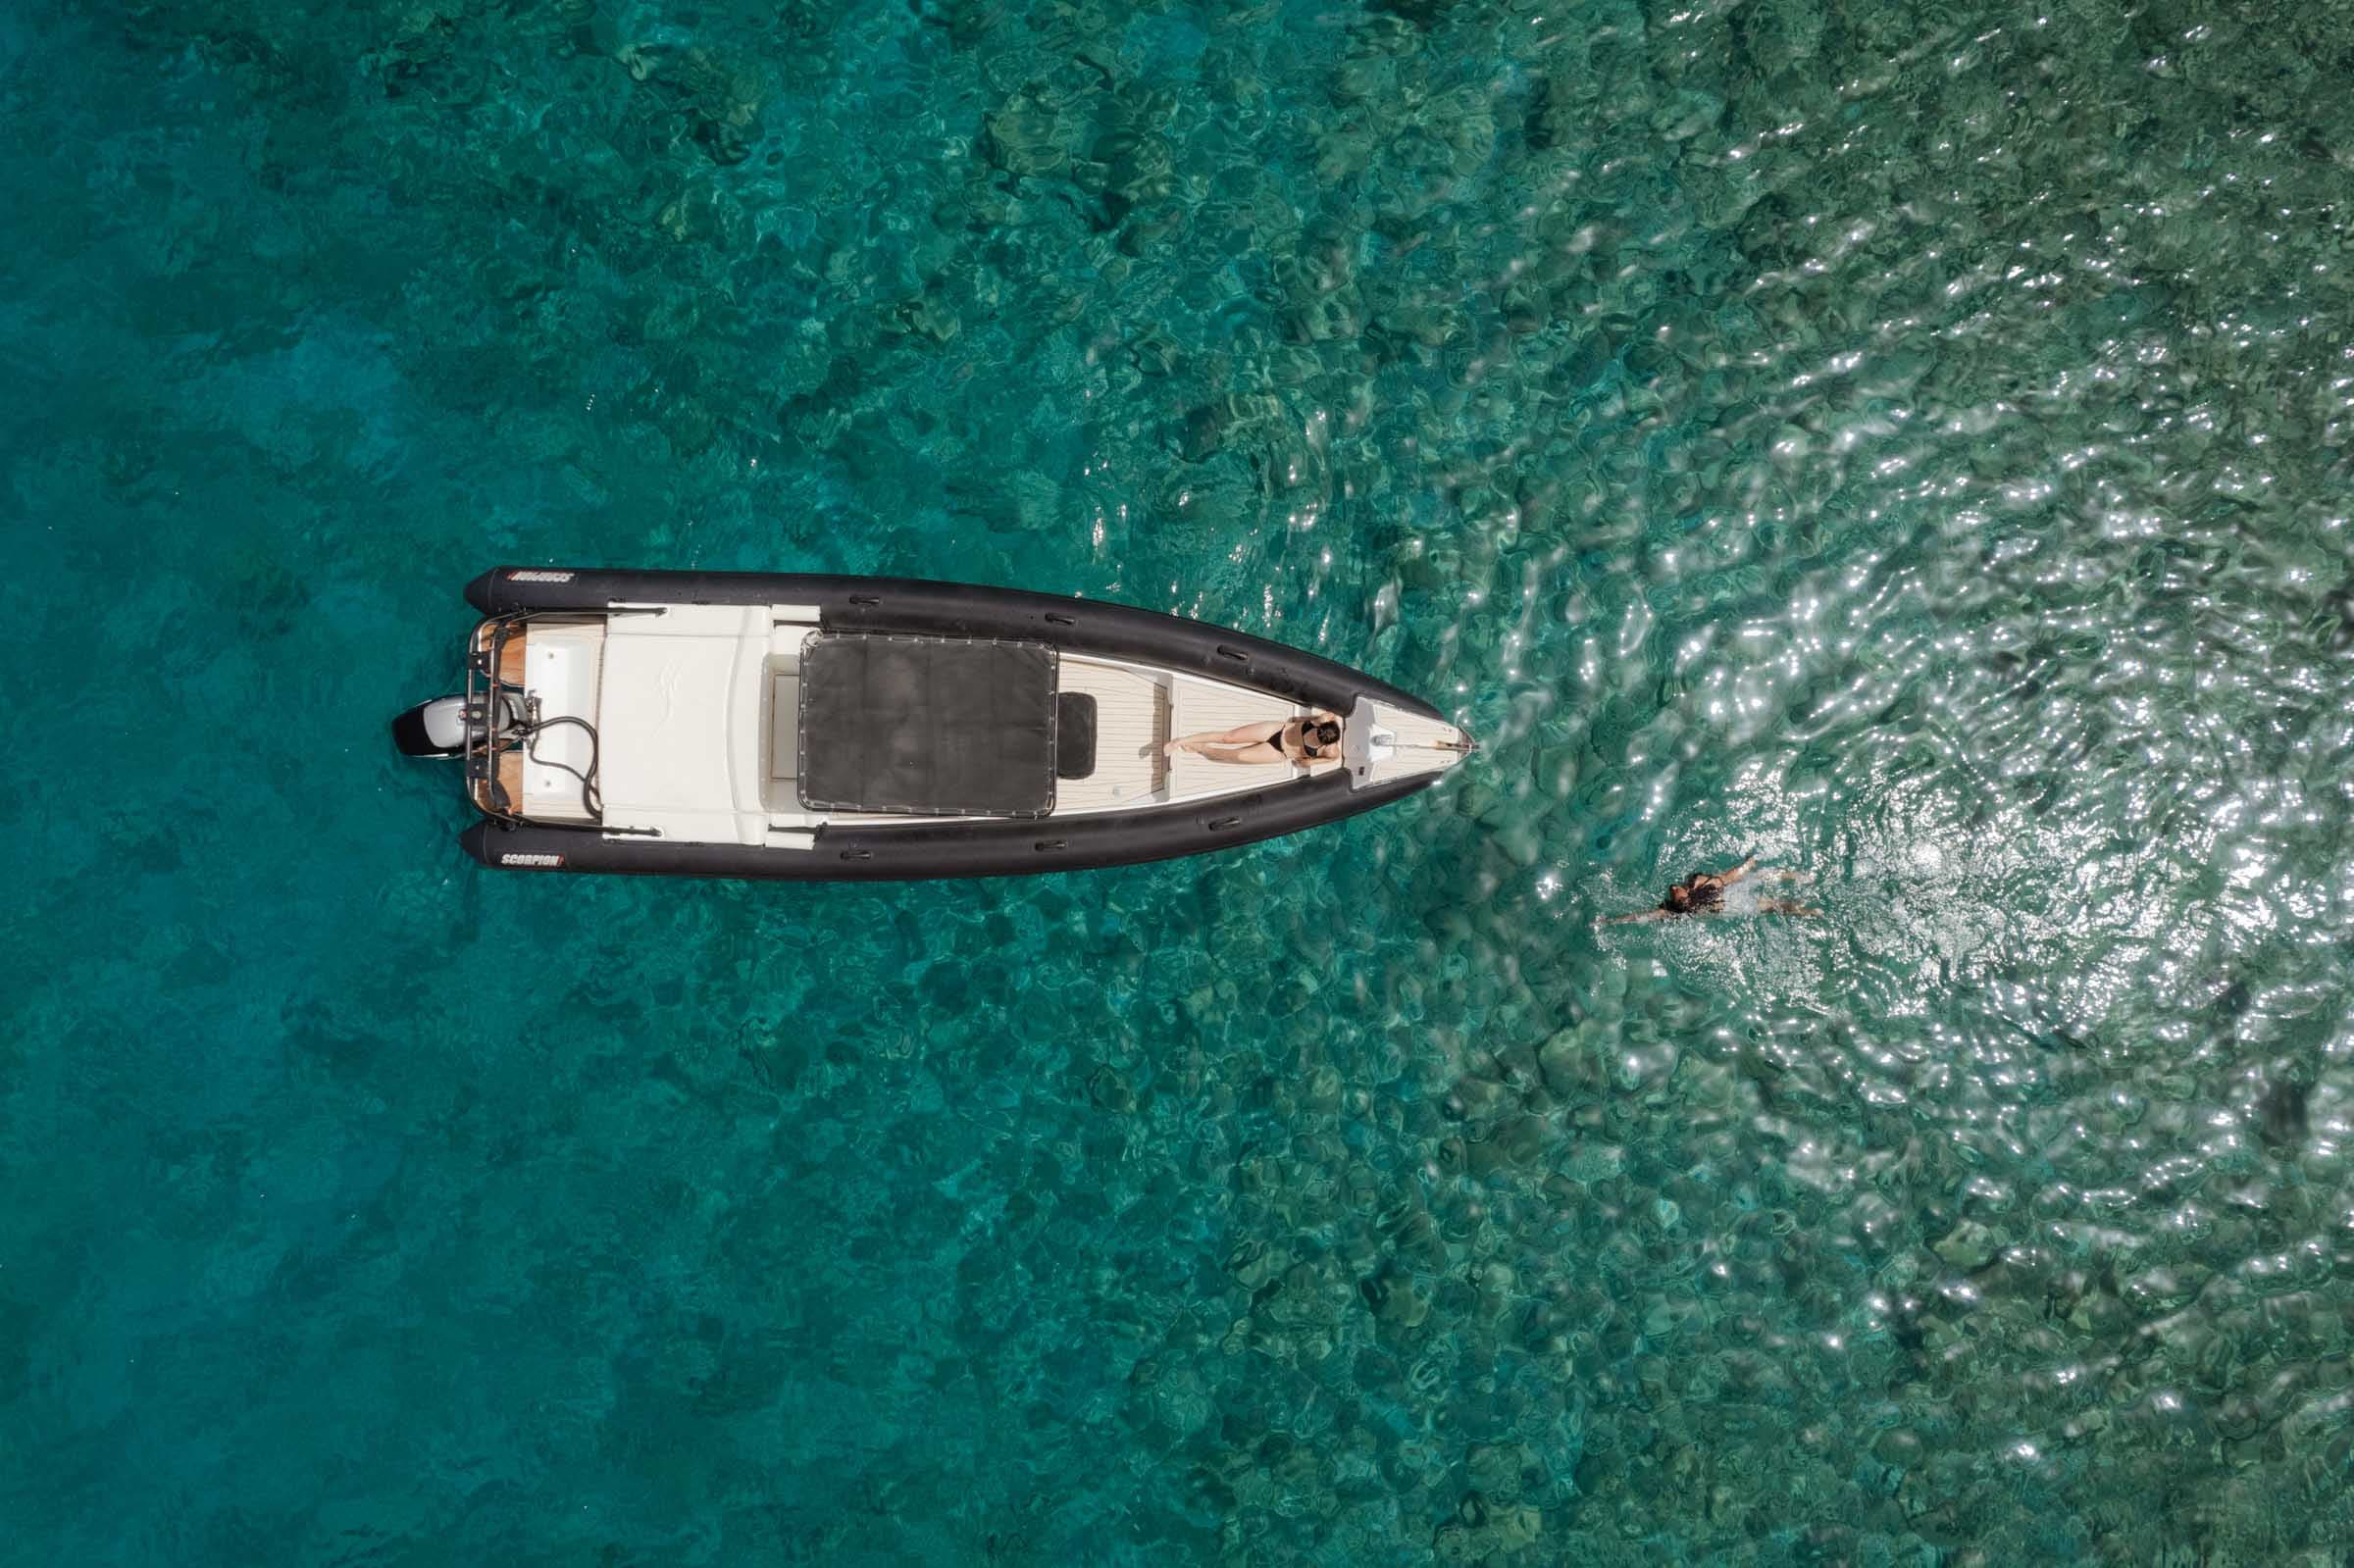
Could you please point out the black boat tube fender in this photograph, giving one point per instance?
(841, 852)
(959, 610)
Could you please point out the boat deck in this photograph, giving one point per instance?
(1199, 705)
(1137, 711)
(1132, 721)
(555, 663)
(510, 653)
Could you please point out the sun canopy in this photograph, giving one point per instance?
(934, 726)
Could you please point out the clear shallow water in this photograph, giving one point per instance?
(1907, 444)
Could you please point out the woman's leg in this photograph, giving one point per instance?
(1256, 751)
(1244, 735)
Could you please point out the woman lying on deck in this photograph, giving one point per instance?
(1306, 741)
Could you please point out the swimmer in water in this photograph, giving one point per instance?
(1703, 894)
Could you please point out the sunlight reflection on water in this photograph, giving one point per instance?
(1903, 445)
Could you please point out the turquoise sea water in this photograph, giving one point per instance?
(1907, 442)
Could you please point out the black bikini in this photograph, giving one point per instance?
(1307, 748)
(1312, 750)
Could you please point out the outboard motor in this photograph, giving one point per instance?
(439, 728)
(435, 729)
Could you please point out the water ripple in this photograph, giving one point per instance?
(1907, 445)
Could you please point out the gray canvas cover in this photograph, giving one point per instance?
(933, 726)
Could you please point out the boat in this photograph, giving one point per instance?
(758, 725)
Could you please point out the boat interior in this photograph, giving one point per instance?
(690, 722)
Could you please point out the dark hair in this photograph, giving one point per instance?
(1317, 733)
(1692, 893)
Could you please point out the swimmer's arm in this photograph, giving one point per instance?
(1631, 920)
(1728, 877)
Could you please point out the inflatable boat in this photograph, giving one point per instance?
(723, 724)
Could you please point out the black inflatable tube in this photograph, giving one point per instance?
(961, 610)
(922, 850)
